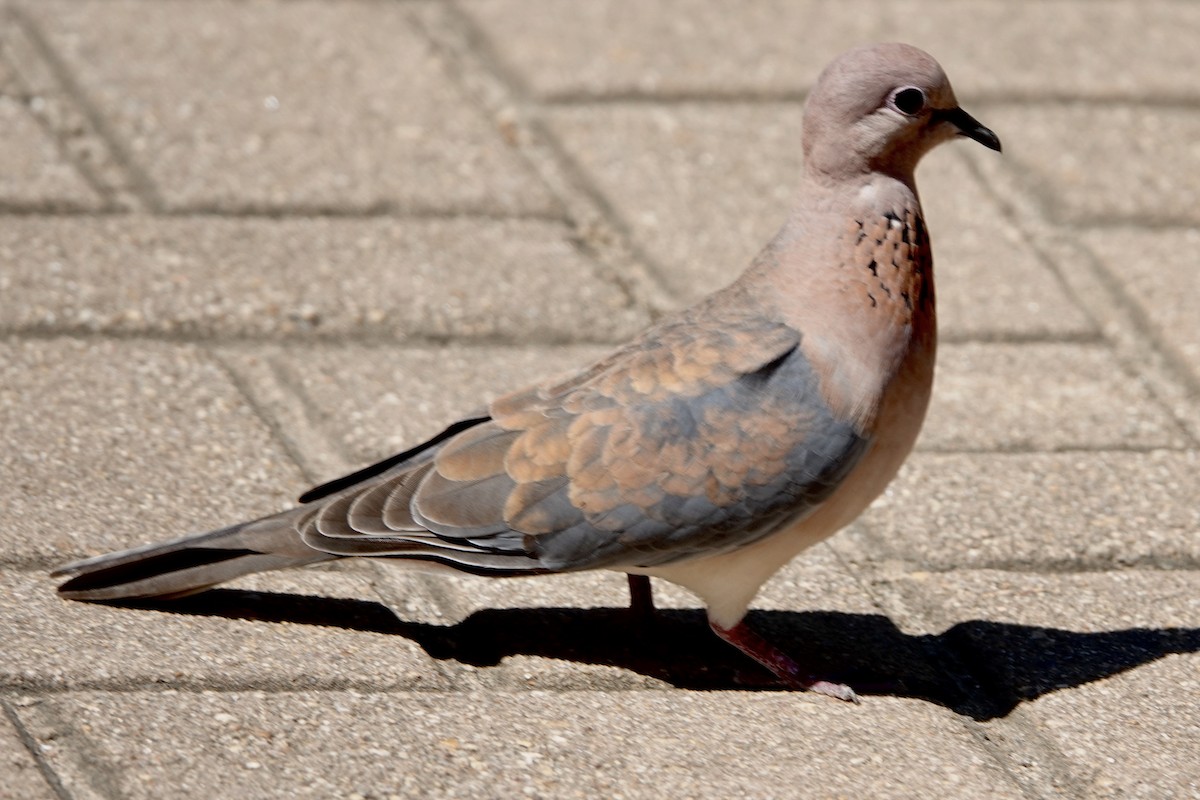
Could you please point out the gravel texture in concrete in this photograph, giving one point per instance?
(216, 277)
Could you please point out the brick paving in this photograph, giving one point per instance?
(246, 245)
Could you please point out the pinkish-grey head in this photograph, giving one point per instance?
(879, 108)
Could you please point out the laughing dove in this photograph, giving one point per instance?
(708, 451)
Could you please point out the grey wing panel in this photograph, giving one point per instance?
(707, 473)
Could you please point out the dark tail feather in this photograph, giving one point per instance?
(192, 563)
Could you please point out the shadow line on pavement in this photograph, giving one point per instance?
(977, 668)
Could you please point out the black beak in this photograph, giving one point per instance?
(968, 126)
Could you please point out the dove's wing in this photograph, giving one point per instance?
(702, 435)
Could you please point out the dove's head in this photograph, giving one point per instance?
(879, 108)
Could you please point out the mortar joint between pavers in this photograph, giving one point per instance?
(275, 426)
(1058, 780)
(1106, 304)
(48, 773)
(500, 92)
(123, 184)
(40, 106)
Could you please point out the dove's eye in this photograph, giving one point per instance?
(909, 100)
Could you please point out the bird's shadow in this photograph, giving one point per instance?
(980, 669)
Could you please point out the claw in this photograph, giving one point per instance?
(839, 691)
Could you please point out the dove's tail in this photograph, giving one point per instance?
(192, 563)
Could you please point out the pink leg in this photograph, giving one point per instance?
(774, 659)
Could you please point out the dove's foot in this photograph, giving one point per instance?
(780, 663)
(641, 598)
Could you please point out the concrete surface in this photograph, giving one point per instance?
(31, 173)
(257, 278)
(244, 246)
(499, 744)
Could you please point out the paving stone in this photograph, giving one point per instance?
(1135, 736)
(33, 173)
(1056, 48)
(18, 773)
(288, 105)
(991, 284)
(218, 277)
(1041, 396)
(1155, 269)
(680, 46)
(1147, 152)
(1098, 662)
(283, 630)
(703, 188)
(111, 444)
(49, 93)
(497, 744)
(1061, 510)
(378, 400)
(618, 47)
(8, 77)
